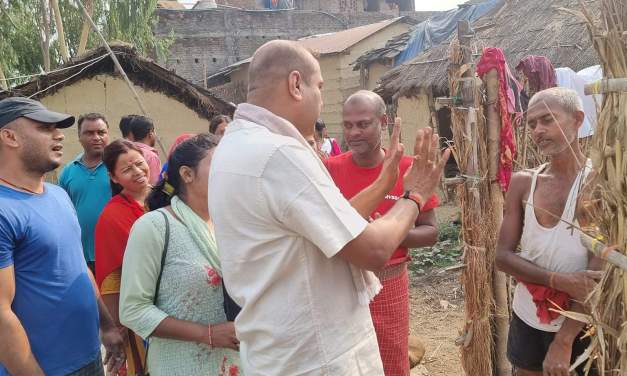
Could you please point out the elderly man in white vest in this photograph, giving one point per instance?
(553, 267)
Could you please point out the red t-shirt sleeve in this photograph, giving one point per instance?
(432, 203)
(335, 148)
(325, 162)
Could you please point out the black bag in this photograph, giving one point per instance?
(231, 309)
(154, 298)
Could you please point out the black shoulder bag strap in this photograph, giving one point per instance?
(163, 255)
(166, 243)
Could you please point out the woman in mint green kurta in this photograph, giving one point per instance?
(187, 327)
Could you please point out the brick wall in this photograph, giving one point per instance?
(208, 40)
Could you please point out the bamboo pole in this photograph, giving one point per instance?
(606, 85)
(44, 34)
(468, 126)
(82, 44)
(120, 70)
(501, 314)
(65, 55)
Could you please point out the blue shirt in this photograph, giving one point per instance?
(89, 190)
(54, 297)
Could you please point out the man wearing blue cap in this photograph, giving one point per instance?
(49, 314)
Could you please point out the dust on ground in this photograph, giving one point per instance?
(437, 314)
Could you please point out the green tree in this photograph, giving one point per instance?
(22, 31)
(133, 21)
(20, 51)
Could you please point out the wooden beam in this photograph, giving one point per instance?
(65, 55)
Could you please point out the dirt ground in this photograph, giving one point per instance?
(437, 314)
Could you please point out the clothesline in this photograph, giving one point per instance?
(93, 61)
(53, 71)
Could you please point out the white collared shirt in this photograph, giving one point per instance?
(279, 221)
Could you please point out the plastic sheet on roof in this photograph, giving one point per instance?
(436, 29)
(566, 77)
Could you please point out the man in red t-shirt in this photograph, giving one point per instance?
(364, 118)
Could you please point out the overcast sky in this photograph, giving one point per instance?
(437, 5)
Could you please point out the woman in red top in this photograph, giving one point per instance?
(129, 174)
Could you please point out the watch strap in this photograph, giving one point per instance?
(417, 199)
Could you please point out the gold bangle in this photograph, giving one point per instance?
(551, 280)
(210, 340)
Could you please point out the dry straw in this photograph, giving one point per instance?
(609, 312)
(470, 151)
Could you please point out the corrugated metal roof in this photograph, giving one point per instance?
(342, 40)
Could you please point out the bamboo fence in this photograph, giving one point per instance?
(470, 150)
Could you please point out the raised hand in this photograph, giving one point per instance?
(424, 175)
(390, 170)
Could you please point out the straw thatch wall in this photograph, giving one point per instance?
(520, 28)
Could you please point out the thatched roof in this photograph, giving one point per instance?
(520, 28)
(143, 72)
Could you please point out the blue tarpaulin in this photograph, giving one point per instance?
(278, 4)
(436, 29)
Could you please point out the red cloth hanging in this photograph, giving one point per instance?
(545, 298)
(539, 71)
(493, 58)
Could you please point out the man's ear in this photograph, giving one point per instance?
(9, 137)
(579, 117)
(384, 122)
(295, 85)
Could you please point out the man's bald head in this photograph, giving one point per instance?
(285, 79)
(363, 120)
(275, 60)
(369, 98)
(568, 99)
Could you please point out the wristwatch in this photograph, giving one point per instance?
(417, 199)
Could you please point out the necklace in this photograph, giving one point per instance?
(20, 187)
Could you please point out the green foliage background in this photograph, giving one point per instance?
(21, 23)
(446, 252)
